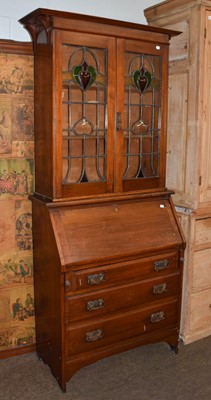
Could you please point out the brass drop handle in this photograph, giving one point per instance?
(95, 279)
(93, 305)
(94, 335)
(159, 289)
(157, 317)
(160, 265)
(118, 121)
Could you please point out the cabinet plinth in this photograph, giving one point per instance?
(108, 248)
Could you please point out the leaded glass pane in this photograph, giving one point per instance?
(84, 107)
(142, 110)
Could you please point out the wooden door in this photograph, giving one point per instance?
(84, 124)
(141, 114)
(110, 97)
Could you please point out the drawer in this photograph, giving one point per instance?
(122, 297)
(117, 328)
(107, 275)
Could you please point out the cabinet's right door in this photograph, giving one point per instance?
(141, 115)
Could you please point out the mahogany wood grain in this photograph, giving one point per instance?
(133, 270)
(114, 242)
(125, 297)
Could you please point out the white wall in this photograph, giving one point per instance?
(12, 10)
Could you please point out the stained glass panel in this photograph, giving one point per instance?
(142, 110)
(84, 114)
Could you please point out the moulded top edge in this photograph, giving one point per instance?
(167, 6)
(32, 17)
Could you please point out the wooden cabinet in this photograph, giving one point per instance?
(108, 248)
(104, 96)
(188, 149)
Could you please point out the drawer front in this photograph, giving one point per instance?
(122, 297)
(93, 278)
(117, 328)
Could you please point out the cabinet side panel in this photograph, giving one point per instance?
(43, 120)
(47, 289)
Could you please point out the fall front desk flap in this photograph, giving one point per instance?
(103, 232)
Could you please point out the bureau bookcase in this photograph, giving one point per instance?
(108, 249)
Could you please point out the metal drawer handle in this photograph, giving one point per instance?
(94, 304)
(157, 317)
(160, 265)
(95, 279)
(67, 283)
(94, 335)
(159, 289)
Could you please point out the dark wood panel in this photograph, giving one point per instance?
(102, 232)
(111, 275)
(114, 329)
(71, 366)
(49, 290)
(97, 303)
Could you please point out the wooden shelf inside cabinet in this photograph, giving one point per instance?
(104, 224)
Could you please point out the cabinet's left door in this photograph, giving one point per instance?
(84, 75)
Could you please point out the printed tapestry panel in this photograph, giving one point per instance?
(17, 322)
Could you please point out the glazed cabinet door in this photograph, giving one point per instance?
(84, 127)
(141, 108)
(110, 97)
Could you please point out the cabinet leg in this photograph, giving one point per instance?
(174, 348)
(62, 385)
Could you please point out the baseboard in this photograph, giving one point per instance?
(17, 351)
